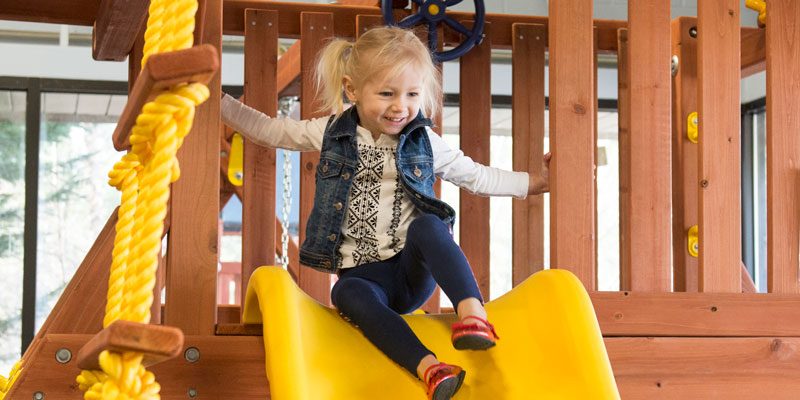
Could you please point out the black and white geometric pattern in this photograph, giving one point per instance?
(362, 215)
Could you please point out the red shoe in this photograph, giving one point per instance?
(443, 380)
(473, 336)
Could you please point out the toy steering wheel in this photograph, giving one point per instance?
(431, 13)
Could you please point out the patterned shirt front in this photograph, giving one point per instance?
(378, 212)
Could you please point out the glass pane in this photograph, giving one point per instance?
(75, 199)
(12, 224)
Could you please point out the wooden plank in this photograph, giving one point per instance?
(754, 51)
(572, 179)
(706, 368)
(135, 58)
(193, 241)
(783, 147)
(196, 64)
(685, 155)
(527, 99)
(748, 286)
(720, 151)
(228, 368)
(697, 314)
(289, 69)
(649, 85)
(158, 343)
(475, 138)
(258, 188)
(116, 26)
(72, 12)
(317, 29)
(624, 138)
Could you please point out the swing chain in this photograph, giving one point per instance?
(286, 106)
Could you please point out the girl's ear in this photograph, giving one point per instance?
(349, 89)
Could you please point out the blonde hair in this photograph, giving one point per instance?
(380, 52)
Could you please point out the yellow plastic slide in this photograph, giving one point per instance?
(550, 346)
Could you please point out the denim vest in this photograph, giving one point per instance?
(338, 162)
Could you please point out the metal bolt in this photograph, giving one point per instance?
(38, 396)
(704, 183)
(192, 354)
(192, 393)
(693, 31)
(675, 65)
(63, 355)
(239, 175)
(223, 153)
(253, 23)
(695, 121)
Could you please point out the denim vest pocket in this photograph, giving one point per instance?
(328, 167)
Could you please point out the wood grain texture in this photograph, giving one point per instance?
(624, 138)
(317, 29)
(685, 156)
(650, 137)
(783, 147)
(116, 26)
(258, 188)
(527, 99)
(475, 134)
(193, 240)
(720, 151)
(573, 226)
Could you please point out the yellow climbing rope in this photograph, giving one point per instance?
(143, 176)
(5, 384)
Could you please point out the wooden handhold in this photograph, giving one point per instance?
(157, 342)
(196, 64)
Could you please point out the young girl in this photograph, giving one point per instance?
(376, 221)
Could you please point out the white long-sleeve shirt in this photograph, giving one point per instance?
(378, 213)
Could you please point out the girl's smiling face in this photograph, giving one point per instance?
(386, 104)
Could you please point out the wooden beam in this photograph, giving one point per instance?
(475, 134)
(624, 138)
(71, 12)
(158, 343)
(527, 98)
(783, 147)
(228, 368)
(115, 29)
(193, 240)
(697, 314)
(649, 89)
(318, 28)
(705, 368)
(573, 224)
(196, 64)
(754, 51)
(260, 93)
(720, 152)
(685, 155)
(289, 70)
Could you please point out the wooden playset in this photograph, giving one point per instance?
(686, 322)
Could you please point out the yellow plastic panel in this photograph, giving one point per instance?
(236, 160)
(550, 347)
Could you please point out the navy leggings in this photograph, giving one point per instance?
(373, 295)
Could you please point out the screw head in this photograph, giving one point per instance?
(192, 393)
(239, 175)
(192, 354)
(693, 31)
(38, 396)
(63, 355)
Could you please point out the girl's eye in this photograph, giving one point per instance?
(385, 93)
(413, 94)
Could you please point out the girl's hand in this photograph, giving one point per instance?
(540, 184)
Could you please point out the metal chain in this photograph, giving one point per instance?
(285, 108)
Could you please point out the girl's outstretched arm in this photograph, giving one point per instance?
(285, 133)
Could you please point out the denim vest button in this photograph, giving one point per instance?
(332, 237)
(337, 206)
(346, 176)
(325, 168)
(417, 172)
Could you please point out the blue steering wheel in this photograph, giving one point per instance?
(432, 13)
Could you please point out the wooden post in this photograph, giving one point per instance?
(573, 225)
(649, 89)
(624, 138)
(720, 180)
(527, 98)
(475, 136)
(685, 155)
(783, 146)
(258, 188)
(192, 260)
(317, 28)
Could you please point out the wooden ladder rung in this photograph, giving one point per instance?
(196, 64)
(157, 342)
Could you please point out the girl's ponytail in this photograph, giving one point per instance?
(332, 65)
